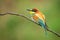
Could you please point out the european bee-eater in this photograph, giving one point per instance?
(38, 17)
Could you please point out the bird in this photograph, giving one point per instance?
(38, 17)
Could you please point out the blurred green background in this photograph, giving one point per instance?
(18, 28)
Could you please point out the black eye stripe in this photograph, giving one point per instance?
(34, 10)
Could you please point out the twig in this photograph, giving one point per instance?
(31, 21)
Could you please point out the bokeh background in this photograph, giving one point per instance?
(18, 28)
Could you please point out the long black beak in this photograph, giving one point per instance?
(29, 9)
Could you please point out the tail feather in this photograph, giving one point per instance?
(44, 26)
(45, 30)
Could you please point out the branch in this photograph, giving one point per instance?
(31, 21)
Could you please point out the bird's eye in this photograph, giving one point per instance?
(34, 10)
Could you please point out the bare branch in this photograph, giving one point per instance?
(31, 21)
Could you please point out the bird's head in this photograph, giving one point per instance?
(32, 11)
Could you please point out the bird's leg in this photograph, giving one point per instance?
(32, 19)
